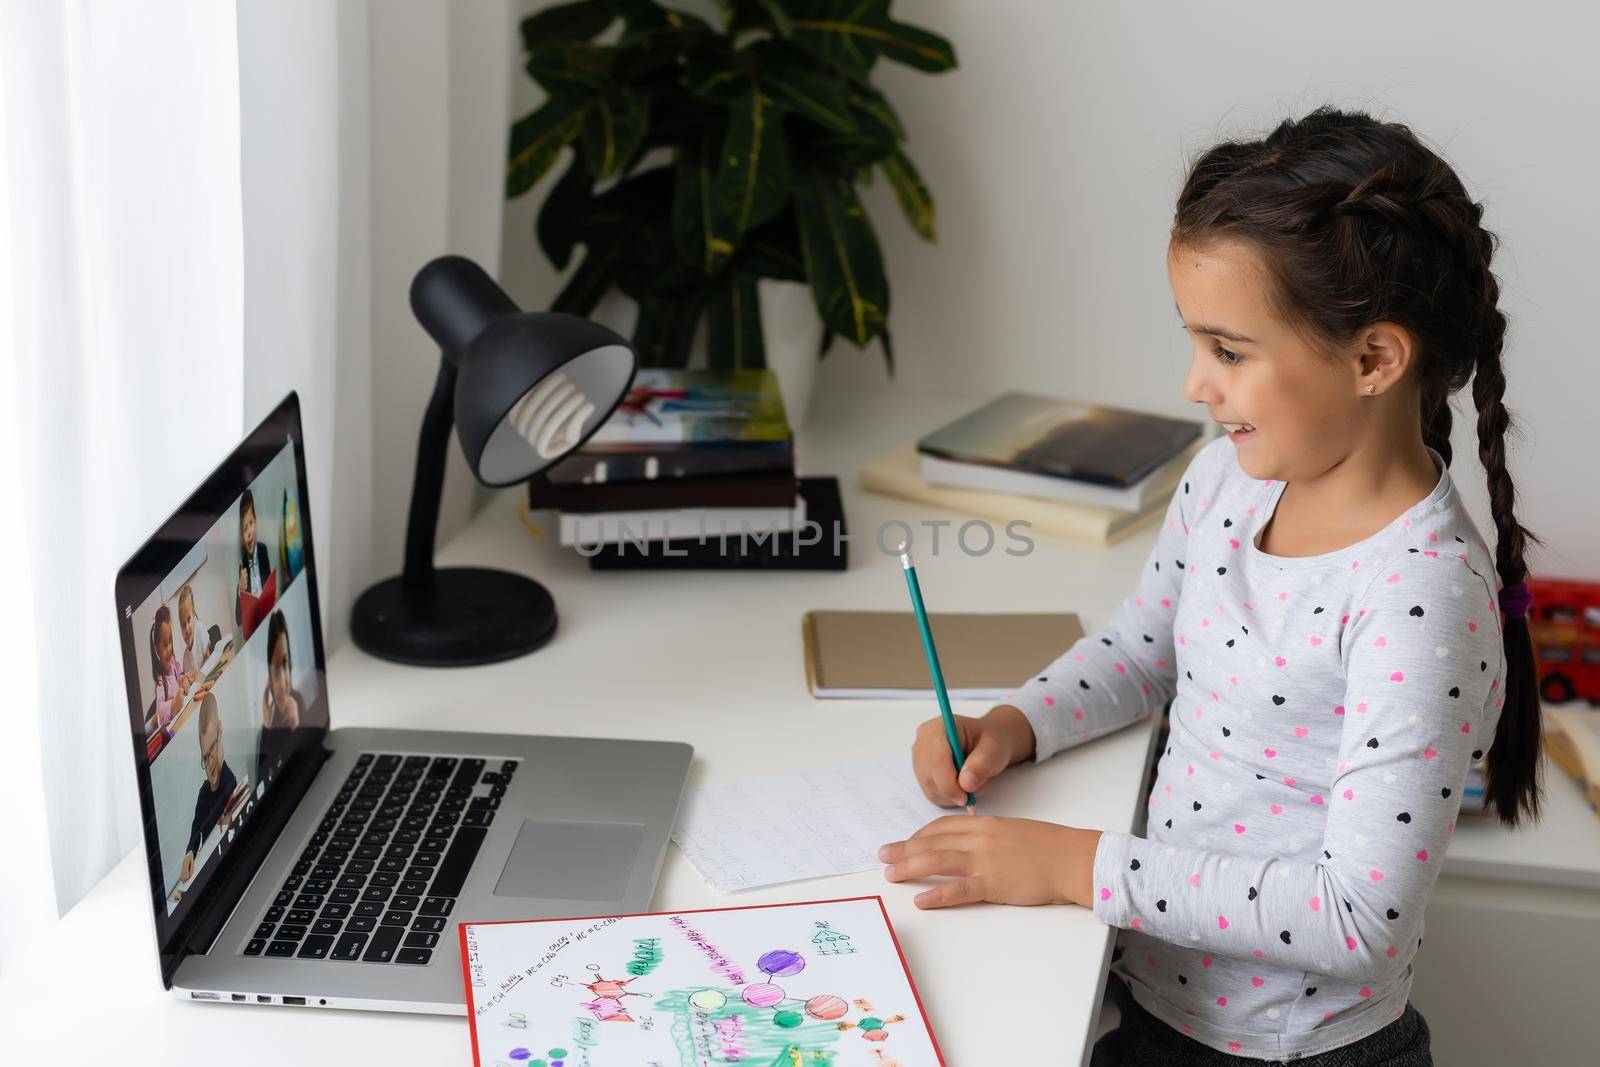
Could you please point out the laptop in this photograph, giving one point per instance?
(291, 862)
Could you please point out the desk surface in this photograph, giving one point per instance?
(715, 660)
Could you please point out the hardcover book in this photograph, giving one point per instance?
(1062, 439)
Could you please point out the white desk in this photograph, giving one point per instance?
(712, 659)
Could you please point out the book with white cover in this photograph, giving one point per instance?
(669, 524)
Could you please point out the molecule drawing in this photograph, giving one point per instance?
(607, 1005)
(830, 942)
(872, 1026)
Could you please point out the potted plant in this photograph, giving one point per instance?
(706, 159)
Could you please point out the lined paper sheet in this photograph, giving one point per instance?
(803, 824)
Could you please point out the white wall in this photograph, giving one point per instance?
(1055, 153)
(440, 84)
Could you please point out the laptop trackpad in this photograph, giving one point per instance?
(571, 860)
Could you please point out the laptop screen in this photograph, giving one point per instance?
(222, 652)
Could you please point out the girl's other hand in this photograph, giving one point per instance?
(1003, 861)
(993, 743)
(244, 578)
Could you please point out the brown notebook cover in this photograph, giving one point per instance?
(878, 654)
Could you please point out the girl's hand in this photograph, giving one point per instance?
(1003, 861)
(291, 713)
(244, 578)
(992, 743)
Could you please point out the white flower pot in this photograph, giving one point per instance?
(790, 329)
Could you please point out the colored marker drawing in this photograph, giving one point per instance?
(778, 986)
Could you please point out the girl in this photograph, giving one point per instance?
(197, 644)
(1319, 610)
(171, 683)
(281, 703)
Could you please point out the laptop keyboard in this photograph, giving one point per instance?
(380, 876)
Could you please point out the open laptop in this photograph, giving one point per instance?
(294, 863)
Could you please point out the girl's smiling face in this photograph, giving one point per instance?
(247, 530)
(1249, 367)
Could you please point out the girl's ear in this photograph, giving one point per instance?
(1386, 354)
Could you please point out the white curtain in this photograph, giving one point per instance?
(125, 303)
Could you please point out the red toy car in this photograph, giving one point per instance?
(1565, 627)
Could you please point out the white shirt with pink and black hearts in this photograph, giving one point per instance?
(1325, 711)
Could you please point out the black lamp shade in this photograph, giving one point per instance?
(532, 386)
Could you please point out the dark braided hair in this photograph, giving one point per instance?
(1357, 222)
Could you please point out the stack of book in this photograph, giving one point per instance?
(1084, 471)
(686, 455)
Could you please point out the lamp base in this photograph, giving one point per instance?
(465, 616)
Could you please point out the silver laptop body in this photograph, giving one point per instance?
(510, 827)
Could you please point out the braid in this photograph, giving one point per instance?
(1513, 788)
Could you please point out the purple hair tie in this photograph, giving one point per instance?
(1515, 600)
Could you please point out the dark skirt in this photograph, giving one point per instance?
(1142, 1040)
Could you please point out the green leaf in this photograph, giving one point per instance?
(852, 34)
(695, 226)
(567, 22)
(751, 182)
(865, 100)
(782, 24)
(613, 128)
(917, 48)
(773, 251)
(840, 32)
(664, 332)
(536, 140)
(733, 324)
(559, 225)
(912, 192)
(842, 257)
(572, 68)
(621, 227)
(811, 96)
(655, 38)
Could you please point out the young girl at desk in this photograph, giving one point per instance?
(171, 683)
(1319, 609)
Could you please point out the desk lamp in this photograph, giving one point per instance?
(522, 390)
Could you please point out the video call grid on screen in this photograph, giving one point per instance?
(234, 607)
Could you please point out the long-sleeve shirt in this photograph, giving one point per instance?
(167, 692)
(1325, 711)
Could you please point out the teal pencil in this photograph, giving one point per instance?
(933, 668)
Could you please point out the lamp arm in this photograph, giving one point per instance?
(434, 441)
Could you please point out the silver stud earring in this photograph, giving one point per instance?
(1369, 390)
